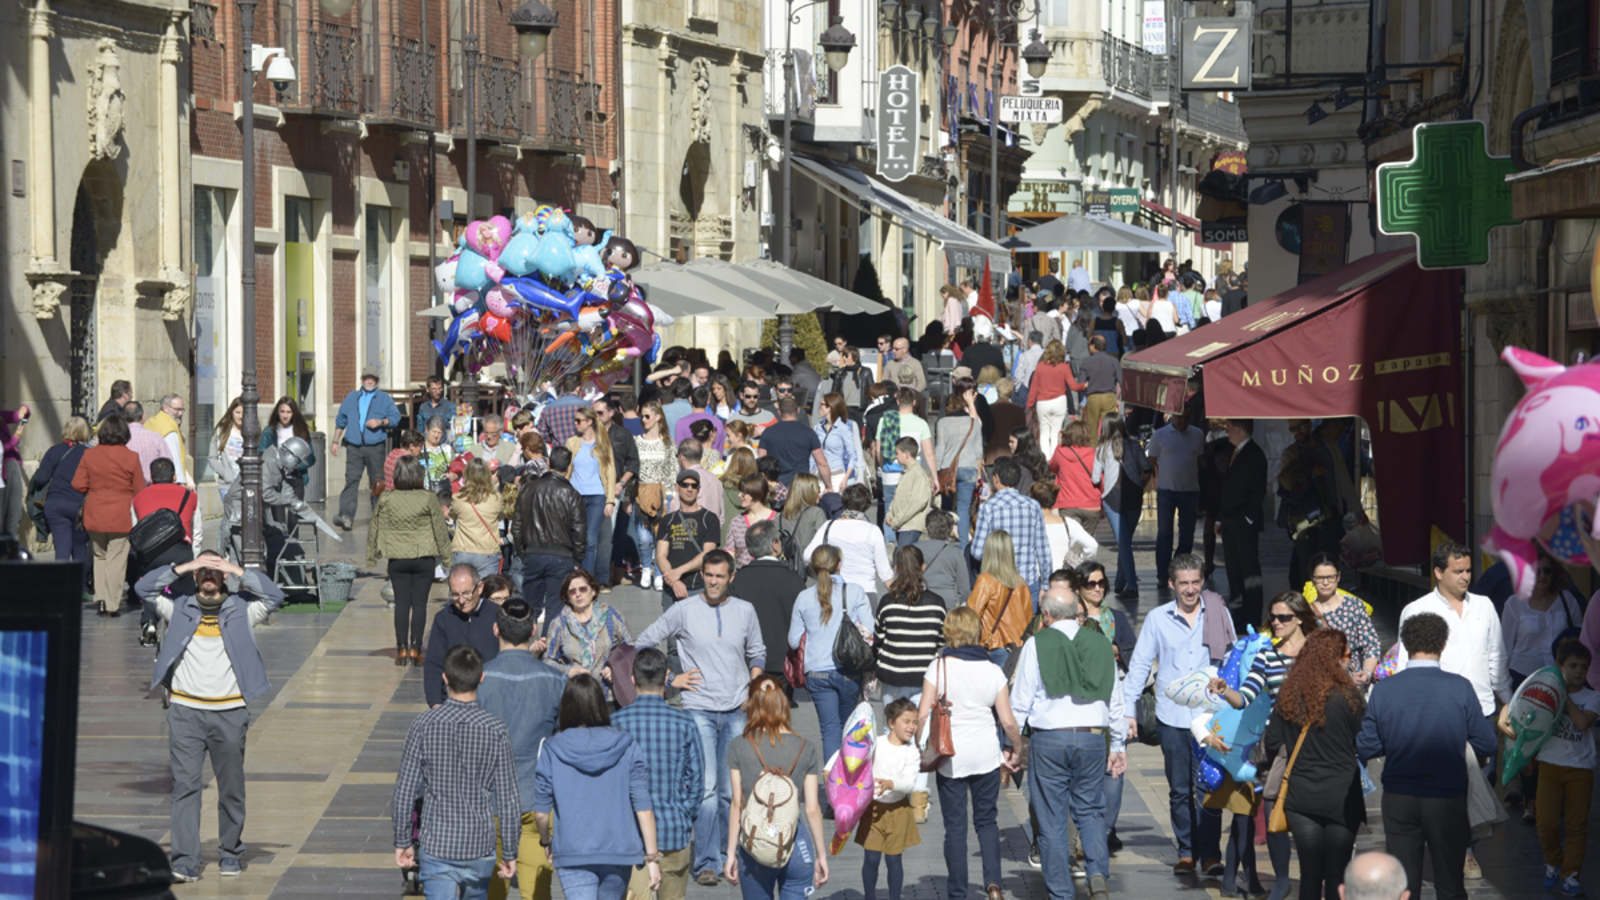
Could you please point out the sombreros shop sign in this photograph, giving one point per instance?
(898, 123)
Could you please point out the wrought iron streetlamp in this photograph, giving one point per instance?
(836, 43)
(1037, 57)
(280, 72)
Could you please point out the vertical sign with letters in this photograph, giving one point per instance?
(899, 93)
(1216, 54)
(1155, 27)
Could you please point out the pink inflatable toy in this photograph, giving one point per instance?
(1547, 460)
(850, 785)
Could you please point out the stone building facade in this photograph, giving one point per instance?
(93, 222)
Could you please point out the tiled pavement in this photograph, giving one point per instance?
(325, 744)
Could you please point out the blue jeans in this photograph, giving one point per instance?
(906, 538)
(717, 731)
(1066, 772)
(835, 695)
(985, 790)
(594, 509)
(1198, 831)
(1123, 524)
(1113, 789)
(594, 882)
(451, 879)
(542, 575)
(486, 563)
(888, 499)
(645, 539)
(966, 483)
(1186, 503)
(793, 881)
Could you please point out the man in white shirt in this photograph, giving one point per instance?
(1175, 452)
(1078, 278)
(1475, 649)
(1069, 712)
(972, 294)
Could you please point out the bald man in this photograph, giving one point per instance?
(903, 369)
(1374, 876)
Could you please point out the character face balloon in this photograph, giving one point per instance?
(1548, 457)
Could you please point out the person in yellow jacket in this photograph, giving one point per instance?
(168, 423)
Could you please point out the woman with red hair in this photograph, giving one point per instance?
(1318, 715)
(769, 744)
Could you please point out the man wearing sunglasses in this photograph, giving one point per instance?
(751, 412)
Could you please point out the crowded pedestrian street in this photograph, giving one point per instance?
(326, 744)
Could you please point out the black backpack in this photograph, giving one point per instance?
(158, 532)
(790, 547)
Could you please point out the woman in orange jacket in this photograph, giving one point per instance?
(1001, 599)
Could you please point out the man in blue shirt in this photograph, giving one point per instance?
(368, 413)
(436, 406)
(1010, 511)
(670, 742)
(1181, 638)
(1417, 720)
(525, 694)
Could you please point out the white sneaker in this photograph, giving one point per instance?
(660, 581)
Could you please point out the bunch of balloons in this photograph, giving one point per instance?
(550, 295)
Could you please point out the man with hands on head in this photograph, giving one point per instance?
(213, 669)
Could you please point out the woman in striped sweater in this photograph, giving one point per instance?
(1289, 619)
(908, 638)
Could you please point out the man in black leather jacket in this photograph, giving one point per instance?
(552, 532)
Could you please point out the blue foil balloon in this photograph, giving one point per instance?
(536, 294)
(517, 258)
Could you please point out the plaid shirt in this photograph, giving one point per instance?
(670, 743)
(556, 420)
(1020, 517)
(458, 759)
(148, 445)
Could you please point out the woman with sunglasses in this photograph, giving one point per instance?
(1347, 613)
(658, 469)
(1092, 585)
(586, 631)
(1290, 620)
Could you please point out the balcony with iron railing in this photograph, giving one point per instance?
(331, 83)
(203, 20)
(534, 106)
(1130, 68)
(1219, 117)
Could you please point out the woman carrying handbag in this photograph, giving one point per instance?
(822, 613)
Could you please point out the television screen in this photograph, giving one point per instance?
(23, 666)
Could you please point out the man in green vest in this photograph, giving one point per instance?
(1068, 694)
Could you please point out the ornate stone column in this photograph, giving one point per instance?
(175, 299)
(45, 272)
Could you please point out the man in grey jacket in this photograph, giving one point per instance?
(213, 669)
(525, 694)
(719, 641)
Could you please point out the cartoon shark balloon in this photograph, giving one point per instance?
(536, 294)
(1547, 460)
(1240, 729)
(1536, 711)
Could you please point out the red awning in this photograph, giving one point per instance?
(1189, 222)
(1380, 339)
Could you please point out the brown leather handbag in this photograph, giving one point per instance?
(947, 475)
(941, 743)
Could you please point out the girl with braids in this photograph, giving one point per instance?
(1320, 707)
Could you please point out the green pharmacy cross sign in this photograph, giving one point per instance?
(1449, 196)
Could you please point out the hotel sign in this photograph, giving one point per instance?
(899, 90)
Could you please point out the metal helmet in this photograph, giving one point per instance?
(297, 448)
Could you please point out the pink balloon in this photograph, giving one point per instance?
(1548, 457)
(489, 237)
(502, 302)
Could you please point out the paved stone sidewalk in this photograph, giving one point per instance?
(325, 746)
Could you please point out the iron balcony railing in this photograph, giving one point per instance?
(202, 20)
(543, 107)
(1220, 118)
(330, 81)
(412, 88)
(1129, 68)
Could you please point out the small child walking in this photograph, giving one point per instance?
(889, 825)
(1566, 773)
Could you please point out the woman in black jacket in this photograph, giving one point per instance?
(1321, 795)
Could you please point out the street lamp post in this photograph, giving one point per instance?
(836, 44)
(1037, 57)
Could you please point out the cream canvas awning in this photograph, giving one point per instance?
(871, 195)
